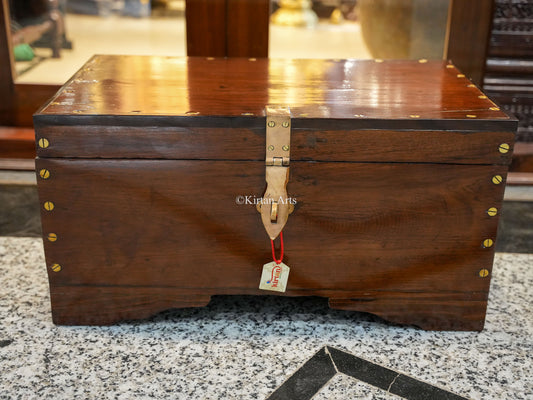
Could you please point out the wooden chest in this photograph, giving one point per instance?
(150, 170)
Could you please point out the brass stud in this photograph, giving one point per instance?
(285, 124)
(460, 75)
(271, 124)
(55, 267)
(247, 113)
(378, 60)
(483, 273)
(471, 116)
(504, 148)
(252, 59)
(492, 211)
(422, 61)
(414, 116)
(482, 96)
(285, 148)
(304, 115)
(494, 108)
(52, 237)
(450, 66)
(43, 143)
(44, 173)
(471, 85)
(49, 206)
(192, 112)
(488, 243)
(497, 179)
(271, 148)
(358, 115)
(210, 58)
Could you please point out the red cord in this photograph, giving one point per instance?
(274, 251)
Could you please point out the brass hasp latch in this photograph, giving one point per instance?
(275, 206)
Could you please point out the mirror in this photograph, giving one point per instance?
(52, 39)
(385, 29)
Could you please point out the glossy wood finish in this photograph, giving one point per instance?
(393, 229)
(468, 36)
(227, 28)
(206, 27)
(17, 143)
(198, 89)
(7, 63)
(392, 175)
(247, 28)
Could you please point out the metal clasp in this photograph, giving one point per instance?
(275, 206)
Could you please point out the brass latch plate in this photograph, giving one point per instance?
(275, 207)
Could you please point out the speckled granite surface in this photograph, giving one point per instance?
(245, 347)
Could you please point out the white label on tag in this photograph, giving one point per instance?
(274, 277)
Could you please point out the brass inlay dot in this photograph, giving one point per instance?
(504, 148)
(49, 206)
(210, 58)
(422, 61)
(482, 97)
(497, 179)
(494, 108)
(471, 85)
(471, 116)
(55, 267)
(247, 113)
(52, 237)
(43, 143)
(192, 112)
(271, 124)
(252, 59)
(378, 60)
(492, 211)
(414, 116)
(460, 75)
(44, 173)
(285, 124)
(488, 243)
(450, 66)
(483, 273)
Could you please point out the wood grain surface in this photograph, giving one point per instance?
(198, 88)
(363, 234)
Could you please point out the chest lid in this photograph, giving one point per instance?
(214, 108)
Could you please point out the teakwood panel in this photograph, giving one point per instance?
(394, 239)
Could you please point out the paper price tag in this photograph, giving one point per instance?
(274, 277)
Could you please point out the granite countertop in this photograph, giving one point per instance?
(244, 347)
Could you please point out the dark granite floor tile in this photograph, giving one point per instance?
(19, 215)
(515, 232)
(387, 379)
(308, 380)
(363, 370)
